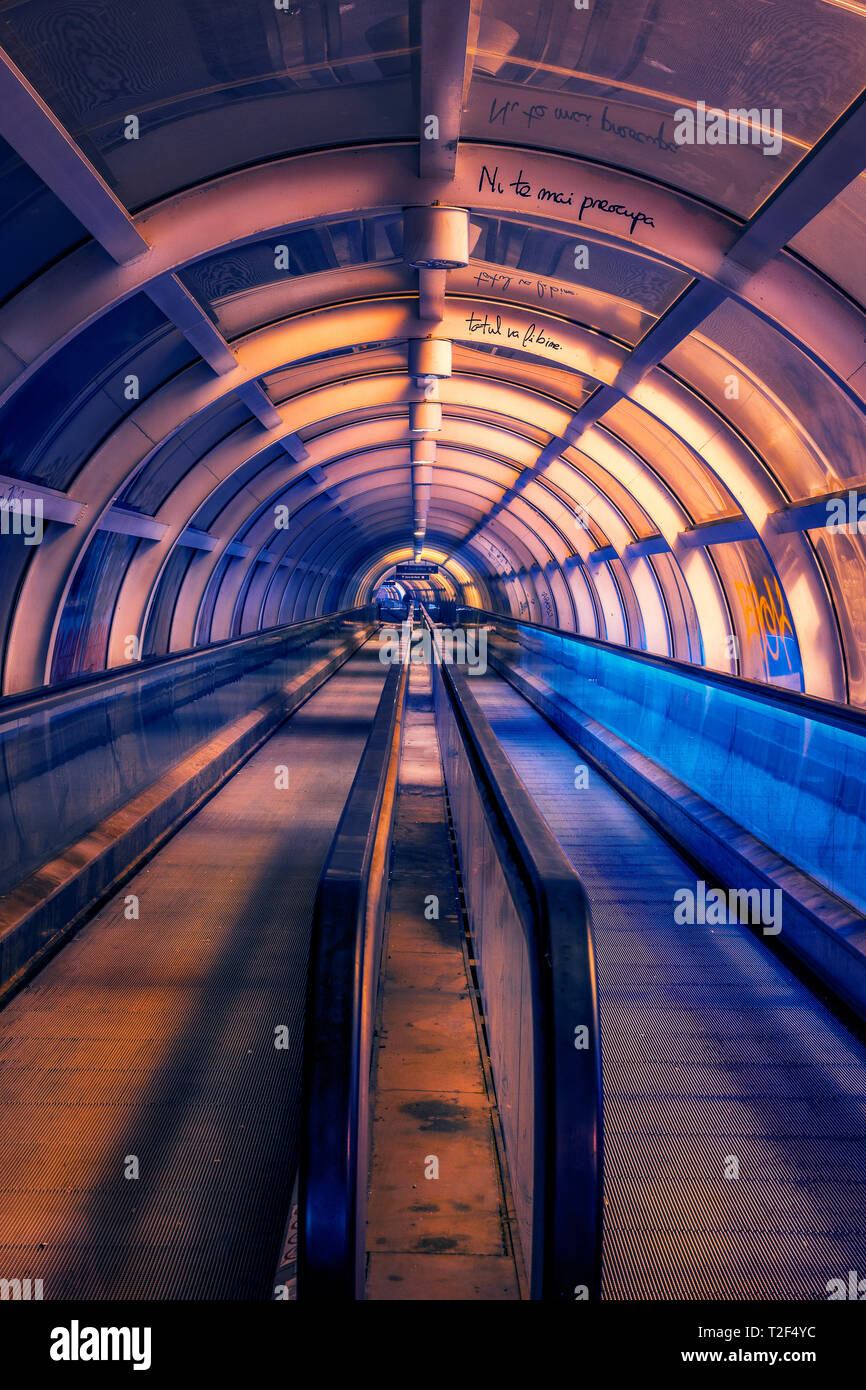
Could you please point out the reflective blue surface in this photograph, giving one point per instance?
(797, 781)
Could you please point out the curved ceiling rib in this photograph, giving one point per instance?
(653, 403)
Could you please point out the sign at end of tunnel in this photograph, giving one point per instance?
(421, 571)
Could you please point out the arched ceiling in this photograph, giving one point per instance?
(211, 304)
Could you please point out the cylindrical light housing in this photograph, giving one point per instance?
(425, 417)
(436, 238)
(429, 357)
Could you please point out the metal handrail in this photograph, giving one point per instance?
(89, 683)
(565, 1256)
(342, 991)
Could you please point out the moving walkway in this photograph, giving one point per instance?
(192, 1037)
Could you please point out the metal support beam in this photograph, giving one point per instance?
(448, 31)
(295, 447)
(38, 137)
(836, 160)
(319, 478)
(193, 539)
(56, 506)
(178, 305)
(721, 532)
(123, 523)
(602, 554)
(817, 513)
(648, 545)
(257, 400)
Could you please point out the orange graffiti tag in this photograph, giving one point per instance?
(766, 619)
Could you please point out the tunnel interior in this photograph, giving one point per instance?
(263, 336)
(433, 648)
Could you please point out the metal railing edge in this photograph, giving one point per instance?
(330, 1245)
(554, 890)
(16, 704)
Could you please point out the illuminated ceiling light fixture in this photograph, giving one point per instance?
(425, 417)
(436, 237)
(429, 359)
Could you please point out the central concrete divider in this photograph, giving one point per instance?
(48, 904)
(441, 1220)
